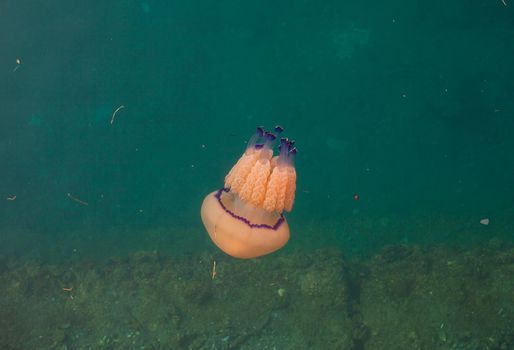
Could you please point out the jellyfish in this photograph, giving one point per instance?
(245, 218)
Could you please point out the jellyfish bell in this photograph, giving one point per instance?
(245, 218)
(250, 234)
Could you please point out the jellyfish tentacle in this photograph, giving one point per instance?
(263, 169)
(270, 199)
(275, 193)
(240, 171)
(281, 198)
(242, 168)
(291, 180)
(243, 171)
(254, 188)
(290, 189)
(229, 179)
(256, 175)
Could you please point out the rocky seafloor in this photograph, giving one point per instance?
(404, 297)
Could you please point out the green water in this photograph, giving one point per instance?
(408, 105)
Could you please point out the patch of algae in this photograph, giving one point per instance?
(403, 298)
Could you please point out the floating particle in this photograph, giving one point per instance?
(484, 221)
(18, 63)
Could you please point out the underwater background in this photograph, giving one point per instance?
(118, 117)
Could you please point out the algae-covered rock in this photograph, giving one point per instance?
(439, 298)
(402, 298)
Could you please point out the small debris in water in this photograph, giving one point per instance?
(484, 221)
(18, 63)
(213, 273)
(77, 200)
(116, 111)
